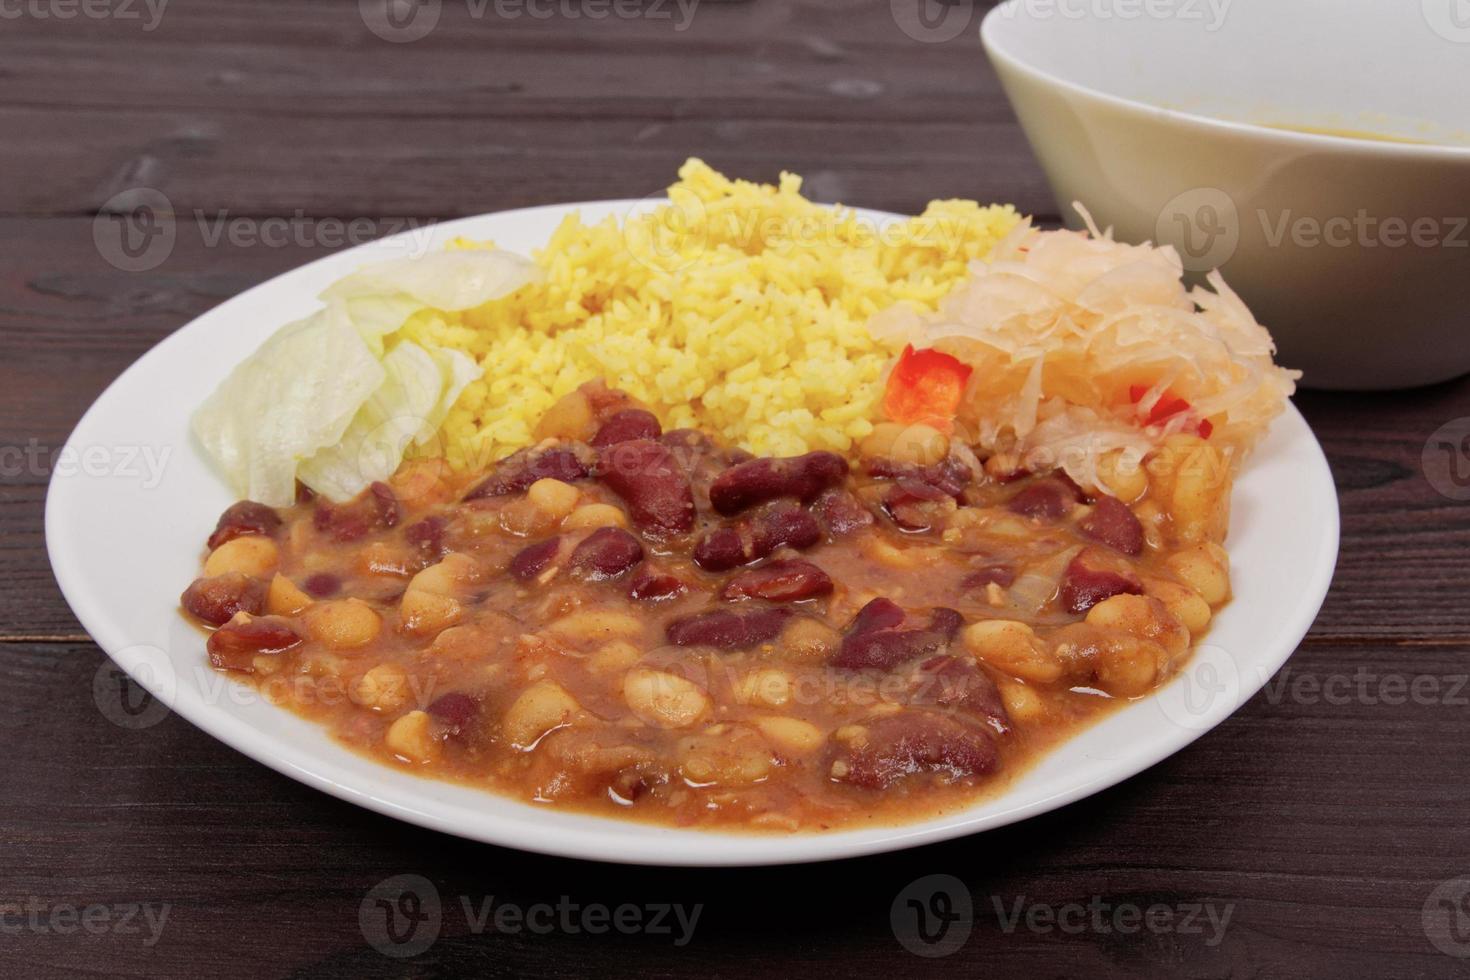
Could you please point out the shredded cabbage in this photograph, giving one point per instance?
(335, 400)
(1064, 327)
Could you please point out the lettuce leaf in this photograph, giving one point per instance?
(333, 400)
(391, 420)
(293, 396)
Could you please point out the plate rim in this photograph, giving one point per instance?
(600, 840)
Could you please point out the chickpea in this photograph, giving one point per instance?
(1128, 666)
(614, 658)
(1142, 617)
(447, 577)
(343, 623)
(1022, 703)
(769, 687)
(887, 554)
(589, 517)
(383, 688)
(553, 498)
(879, 442)
(1205, 568)
(523, 519)
(1012, 647)
(1183, 603)
(725, 755)
(570, 417)
(594, 625)
(1196, 487)
(791, 734)
(253, 554)
(542, 707)
(424, 612)
(284, 598)
(664, 700)
(411, 738)
(1122, 474)
(429, 605)
(420, 482)
(808, 640)
(920, 445)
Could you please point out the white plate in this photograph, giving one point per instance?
(124, 545)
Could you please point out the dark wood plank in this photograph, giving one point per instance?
(1317, 821)
(449, 168)
(490, 112)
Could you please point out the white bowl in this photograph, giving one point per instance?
(125, 529)
(1356, 253)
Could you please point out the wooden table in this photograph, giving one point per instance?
(1327, 818)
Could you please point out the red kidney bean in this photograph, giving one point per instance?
(518, 471)
(215, 600)
(456, 709)
(877, 614)
(534, 559)
(949, 476)
(377, 507)
(952, 682)
(388, 510)
(652, 585)
(779, 581)
(322, 584)
(1049, 498)
(915, 742)
(605, 553)
(946, 621)
(841, 513)
(1092, 577)
(648, 478)
(781, 525)
(912, 504)
(245, 517)
(1113, 524)
(758, 480)
(722, 549)
(235, 645)
(629, 424)
(428, 536)
(728, 629)
(998, 572)
(886, 649)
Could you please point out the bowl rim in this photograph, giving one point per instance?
(996, 51)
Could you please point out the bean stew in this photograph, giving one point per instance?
(634, 622)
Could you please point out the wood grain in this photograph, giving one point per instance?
(1313, 816)
(1322, 815)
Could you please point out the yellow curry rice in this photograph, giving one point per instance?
(740, 308)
